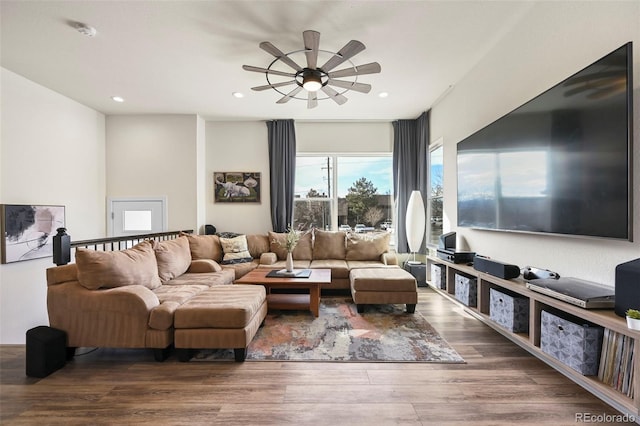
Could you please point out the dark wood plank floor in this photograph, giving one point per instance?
(500, 384)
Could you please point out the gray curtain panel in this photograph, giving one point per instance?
(282, 172)
(410, 171)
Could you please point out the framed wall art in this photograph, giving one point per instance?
(236, 187)
(28, 230)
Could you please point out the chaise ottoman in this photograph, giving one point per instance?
(223, 316)
(372, 286)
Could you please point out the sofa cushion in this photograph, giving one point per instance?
(241, 269)
(235, 250)
(203, 278)
(205, 247)
(367, 247)
(339, 268)
(221, 307)
(204, 265)
(173, 257)
(303, 250)
(170, 297)
(258, 244)
(369, 264)
(109, 269)
(329, 245)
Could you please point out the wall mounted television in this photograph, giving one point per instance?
(559, 164)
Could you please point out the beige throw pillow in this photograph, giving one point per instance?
(367, 247)
(109, 269)
(235, 250)
(329, 245)
(173, 257)
(205, 247)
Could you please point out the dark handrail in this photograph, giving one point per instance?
(108, 240)
(62, 243)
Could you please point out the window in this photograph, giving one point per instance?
(436, 192)
(344, 192)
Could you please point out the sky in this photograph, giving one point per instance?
(311, 173)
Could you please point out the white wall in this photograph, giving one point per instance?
(553, 41)
(238, 147)
(330, 137)
(155, 155)
(243, 146)
(52, 152)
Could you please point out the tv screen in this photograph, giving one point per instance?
(559, 164)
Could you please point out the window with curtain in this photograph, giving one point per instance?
(344, 192)
(435, 195)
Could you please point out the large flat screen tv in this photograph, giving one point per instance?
(559, 164)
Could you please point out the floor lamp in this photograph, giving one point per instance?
(415, 224)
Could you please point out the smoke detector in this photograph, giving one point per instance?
(85, 29)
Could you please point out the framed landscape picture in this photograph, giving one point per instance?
(236, 187)
(28, 230)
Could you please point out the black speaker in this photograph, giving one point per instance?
(627, 287)
(209, 230)
(498, 269)
(61, 247)
(46, 351)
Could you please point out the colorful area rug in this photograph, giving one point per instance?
(383, 333)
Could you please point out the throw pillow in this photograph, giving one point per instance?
(205, 247)
(235, 250)
(303, 250)
(329, 245)
(173, 257)
(109, 269)
(367, 247)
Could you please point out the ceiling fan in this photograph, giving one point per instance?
(314, 78)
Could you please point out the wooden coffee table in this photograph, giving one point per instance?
(290, 301)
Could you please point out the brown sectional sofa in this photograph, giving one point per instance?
(336, 250)
(129, 298)
(178, 291)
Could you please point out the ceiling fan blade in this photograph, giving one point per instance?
(289, 95)
(351, 85)
(609, 91)
(337, 97)
(596, 76)
(267, 71)
(270, 48)
(273, 86)
(311, 44)
(312, 102)
(370, 68)
(348, 51)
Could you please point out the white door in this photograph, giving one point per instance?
(136, 216)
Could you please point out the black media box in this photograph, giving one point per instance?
(46, 351)
(627, 287)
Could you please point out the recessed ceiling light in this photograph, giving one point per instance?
(117, 98)
(237, 95)
(383, 94)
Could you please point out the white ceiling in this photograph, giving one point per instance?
(186, 57)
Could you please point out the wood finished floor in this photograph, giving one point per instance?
(501, 384)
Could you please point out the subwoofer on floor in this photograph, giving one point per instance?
(46, 351)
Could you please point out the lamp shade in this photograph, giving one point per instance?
(415, 221)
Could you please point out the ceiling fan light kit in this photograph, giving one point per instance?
(314, 78)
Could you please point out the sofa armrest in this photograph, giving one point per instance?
(204, 265)
(389, 258)
(112, 317)
(268, 258)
